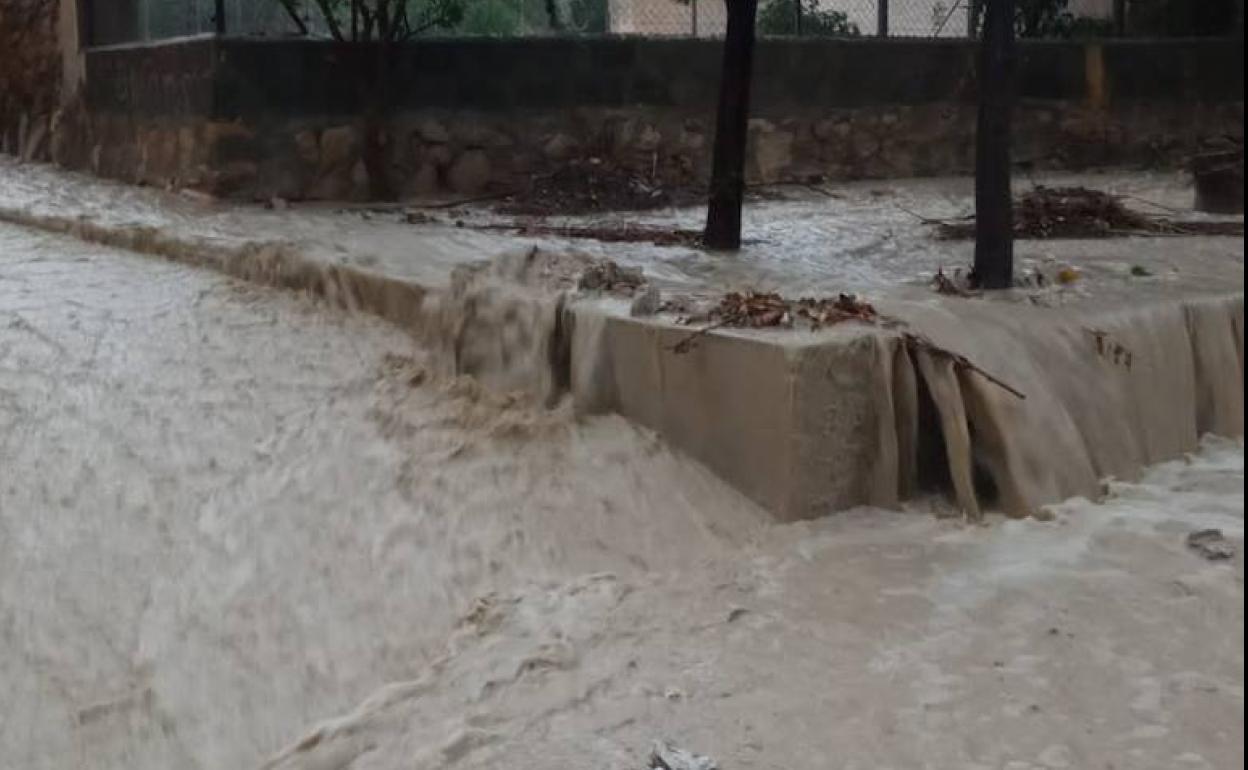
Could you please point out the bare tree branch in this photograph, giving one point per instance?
(441, 16)
(403, 24)
(293, 12)
(384, 26)
(328, 12)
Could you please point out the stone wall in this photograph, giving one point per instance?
(145, 115)
(30, 74)
(267, 118)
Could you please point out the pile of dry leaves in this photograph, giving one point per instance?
(590, 186)
(1078, 212)
(606, 233)
(760, 310)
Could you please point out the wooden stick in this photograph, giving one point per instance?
(461, 202)
(686, 344)
(959, 360)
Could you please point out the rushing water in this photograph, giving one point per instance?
(238, 526)
(864, 237)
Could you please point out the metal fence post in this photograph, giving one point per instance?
(218, 18)
(881, 22)
(693, 17)
(797, 17)
(1120, 18)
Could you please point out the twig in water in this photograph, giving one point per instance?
(464, 201)
(919, 341)
(1154, 204)
(929, 220)
(686, 344)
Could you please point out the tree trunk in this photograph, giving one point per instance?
(994, 214)
(376, 119)
(723, 214)
(553, 17)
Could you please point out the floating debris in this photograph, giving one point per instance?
(592, 185)
(769, 310)
(608, 276)
(915, 342)
(665, 756)
(1078, 212)
(758, 310)
(607, 233)
(1211, 544)
(1111, 350)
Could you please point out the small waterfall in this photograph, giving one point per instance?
(1107, 390)
(1105, 394)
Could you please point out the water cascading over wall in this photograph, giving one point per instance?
(864, 416)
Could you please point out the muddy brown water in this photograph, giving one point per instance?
(241, 528)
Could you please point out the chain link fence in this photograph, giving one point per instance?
(127, 21)
(805, 18)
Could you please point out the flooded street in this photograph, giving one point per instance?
(241, 529)
(396, 385)
(220, 508)
(865, 236)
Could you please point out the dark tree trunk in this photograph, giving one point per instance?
(994, 215)
(376, 155)
(377, 114)
(552, 16)
(723, 214)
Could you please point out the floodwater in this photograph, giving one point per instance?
(858, 237)
(226, 511)
(240, 528)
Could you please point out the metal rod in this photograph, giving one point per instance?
(945, 21)
(881, 27)
(218, 18)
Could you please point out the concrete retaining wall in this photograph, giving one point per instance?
(265, 118)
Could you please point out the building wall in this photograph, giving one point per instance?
(269, 118)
